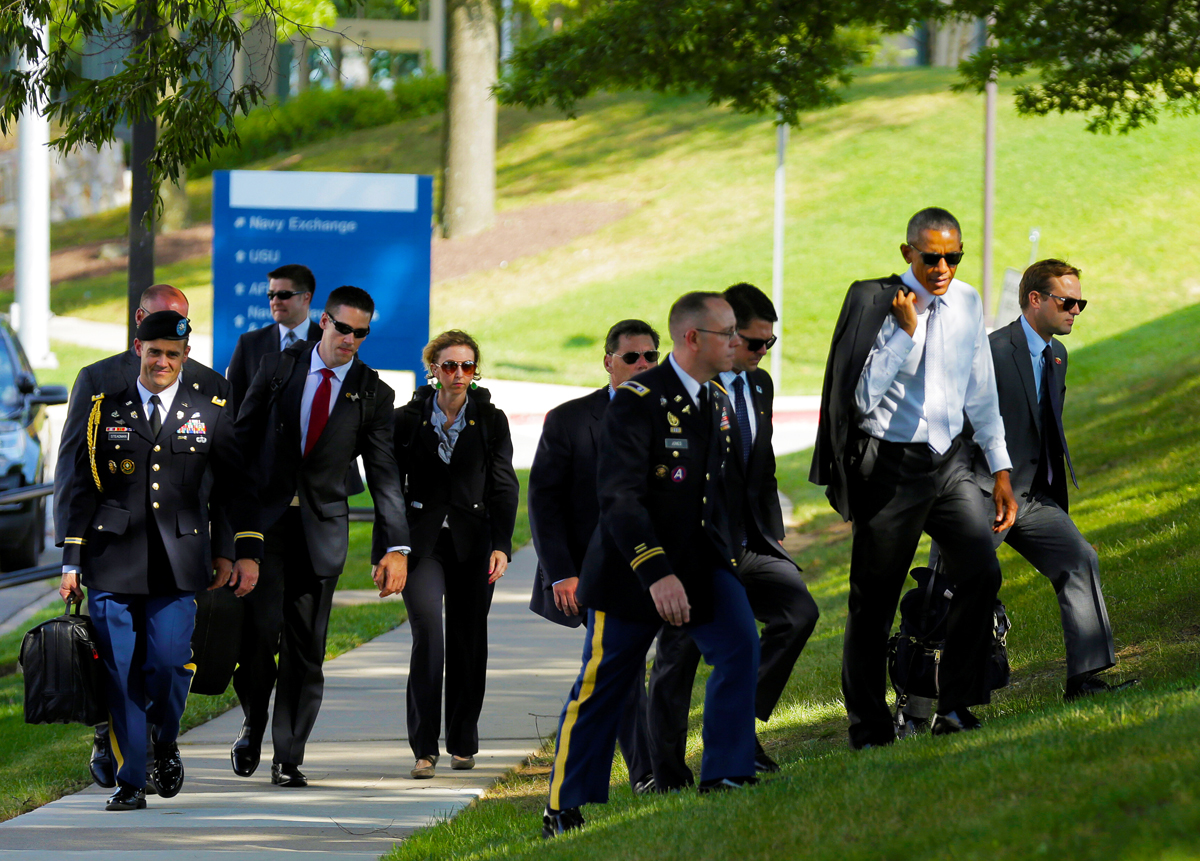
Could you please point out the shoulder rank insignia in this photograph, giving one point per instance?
(218, 401)
(635, 387)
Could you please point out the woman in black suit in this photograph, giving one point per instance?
(454, 451)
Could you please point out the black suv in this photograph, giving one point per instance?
(22, 415)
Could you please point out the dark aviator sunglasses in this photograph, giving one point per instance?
(284, 295)
(347, 329)
(632, 356)
(1068, 302)
(756, 344)
(450, 366)
(932, 258)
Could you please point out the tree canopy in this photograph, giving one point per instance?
(786, 56)
(1119, 61)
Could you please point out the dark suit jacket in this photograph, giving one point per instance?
(109, 375)
(268, 429)
(661, 484)
(153, 482)
(477, 490)
(866, 306)
(251, 349)
(1022, 414)
(563, 509)
(764, 516)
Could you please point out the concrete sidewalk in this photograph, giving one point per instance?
(360, 800)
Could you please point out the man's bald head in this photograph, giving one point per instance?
(691, 310)
(160, 297)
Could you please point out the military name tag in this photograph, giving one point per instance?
(675, 443)
(117, 433)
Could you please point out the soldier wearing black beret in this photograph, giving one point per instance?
(138, 537)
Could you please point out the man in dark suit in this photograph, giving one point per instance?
(1031, 371)
(290, 292)
(137, 537)
(563, 511)
(777, 594)
(108, 375)
(308, 413)
(908, 361)
(663, 552)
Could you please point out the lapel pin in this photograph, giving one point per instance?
(179, 414)
(115, 414)
(352, 395)
(678, 398)
(1057, 360)
(687, 410)
(196, 386)
(758, 389)
(662, 402)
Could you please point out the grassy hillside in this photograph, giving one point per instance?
(1113, 777)
(1119, 207)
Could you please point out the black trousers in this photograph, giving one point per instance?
(896, 492)
(307, 600)
(779, 599)
(262, 624)
(461, 652)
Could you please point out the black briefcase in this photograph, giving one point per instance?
(64, 676)
(216, 640)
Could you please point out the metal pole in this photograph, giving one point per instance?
(781, 138)
(506, 21)
(989, 194)
(33, 226)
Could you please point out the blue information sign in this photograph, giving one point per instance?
(369, 230)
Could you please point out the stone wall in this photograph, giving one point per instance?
(83, 182)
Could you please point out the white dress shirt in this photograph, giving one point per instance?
(315, 366)
(1036, 346)
(727, 378)
(692, 385)
(166, 397)
(890, 395)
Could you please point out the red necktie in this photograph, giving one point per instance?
(320, 411)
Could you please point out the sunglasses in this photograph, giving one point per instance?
(756, 344)
(1068, 303)
(632, 356)
(930, 258)
(450, 366)
(284, 295)
(345, 329)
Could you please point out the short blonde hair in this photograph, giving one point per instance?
(450, 338)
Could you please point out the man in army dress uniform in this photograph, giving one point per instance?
(663, 552)
(136, 536)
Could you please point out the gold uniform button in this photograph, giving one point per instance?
(675, 453)
(707, 476)
(155, 485)
(704, 499)
(701, 522)
(116, 446)
(158, 448)
(156, 467)
(193, 448)
(100, 527)
(156, 505)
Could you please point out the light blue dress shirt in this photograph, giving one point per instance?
(1036, 346)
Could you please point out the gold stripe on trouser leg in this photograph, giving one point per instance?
(585, 691)
(116, 748)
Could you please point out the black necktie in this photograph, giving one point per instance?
(1054, 441)
(743, 416)
(155, 418)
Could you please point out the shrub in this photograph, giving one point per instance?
(317, 115)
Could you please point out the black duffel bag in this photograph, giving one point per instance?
(64, 676)
(216, 640)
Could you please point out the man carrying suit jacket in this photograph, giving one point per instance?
(663, 552)
(108, 375)
(290, 293)
(908, 361)
(309, 411)
(137, 534)
(563, 512)
(777, 594)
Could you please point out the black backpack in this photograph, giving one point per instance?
(915, 651)
(64, 676)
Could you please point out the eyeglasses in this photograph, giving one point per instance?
(345, 329)
(756, 344)
(931, 258)
(632, 356)
(450, 366)
(284, 295)
(728, 334)
(1067, 301)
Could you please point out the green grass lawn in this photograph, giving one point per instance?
(701, 179)
(1114, 777)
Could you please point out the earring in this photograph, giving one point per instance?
(474, 385)
(437, 387)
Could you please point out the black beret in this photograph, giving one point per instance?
(168, 325)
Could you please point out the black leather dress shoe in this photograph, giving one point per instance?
(721, 784)
(246, 750)
(168, 769)
(556, 822)
(127, 798)
(763, 764)
(286, 774)
(1086, 684)
(959, 720)
(104, 771)
(646, 786)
